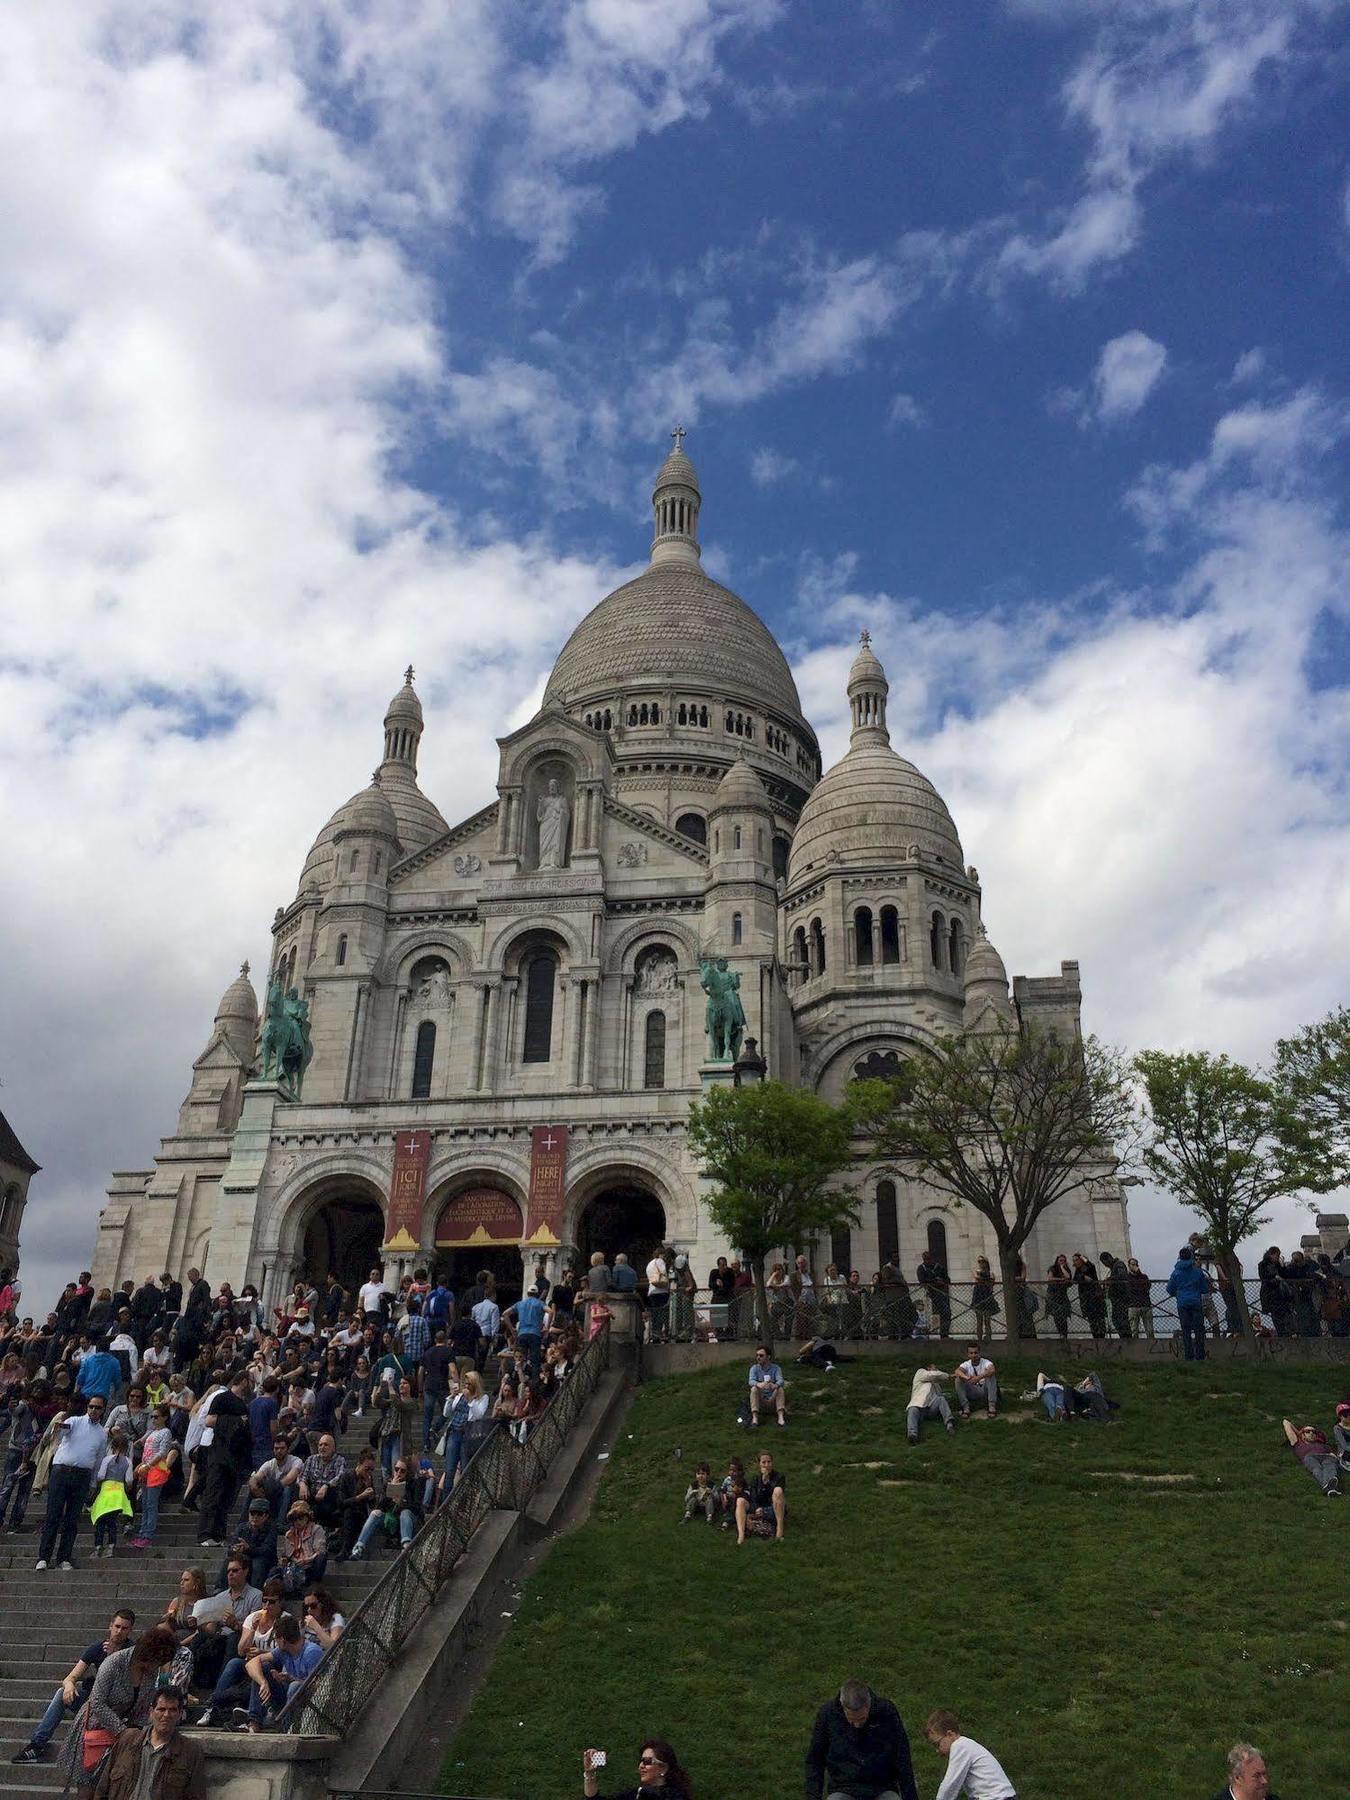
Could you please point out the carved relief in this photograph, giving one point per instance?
(657, 973)
(469, 864)
(632, 855)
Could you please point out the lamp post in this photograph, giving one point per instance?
(749, 1068)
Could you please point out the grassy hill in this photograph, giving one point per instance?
(1108, 1607)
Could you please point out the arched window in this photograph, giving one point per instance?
(355, 860)
(781, 846)
(956, 948)
(890, 935)
(654, 1051)
(541, 973)
(341, 956)
(799, 955)
(888, 1224)
(693, 826)
(937, 941)
(423, 1057)
(841, 1248)
(862, 935)
(290, 968)
(817, 947)
(735, 837)
(656, 715)
(878, 1065)
(735, 928)
(937, 1241)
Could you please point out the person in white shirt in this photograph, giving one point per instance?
(81, 1445)
(927, 1400)
(126, 1343)
(976, 1379)
(373, 1297)
(971, 1769)
(658, 1297)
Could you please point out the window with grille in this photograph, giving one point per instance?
(654, 1060)
(540, 979)
(424, 1056)
(888, 1224)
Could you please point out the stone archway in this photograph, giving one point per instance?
(342, 1237)
(625, 1215)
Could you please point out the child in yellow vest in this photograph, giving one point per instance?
(112, 1502)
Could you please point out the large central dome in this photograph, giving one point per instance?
(674, 626)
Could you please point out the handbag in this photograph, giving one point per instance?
(95, 1748)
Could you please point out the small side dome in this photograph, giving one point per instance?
(740, 789)
(239, 1001)
(237, 1015)
(367, 814)
(986, 981)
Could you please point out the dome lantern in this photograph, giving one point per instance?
(403, 725)
(867, 691)
(675, 507)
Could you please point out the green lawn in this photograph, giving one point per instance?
(1107, 1638)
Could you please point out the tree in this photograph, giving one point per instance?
(1007, 1122)
(773, 1151)
(1224, 1144)
(1312, 1080)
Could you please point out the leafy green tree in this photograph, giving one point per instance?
(1223, 1143)
(773, 1152)
(1007, 1122)
(1312, 1079)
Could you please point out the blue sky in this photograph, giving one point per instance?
(335, 337)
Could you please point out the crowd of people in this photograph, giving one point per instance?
(859, 1750)
(1112, 1296)
(169, 1394)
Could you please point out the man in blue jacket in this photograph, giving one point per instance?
(99, 1374)
(1188, 1285)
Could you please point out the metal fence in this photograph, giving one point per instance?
(854, 1314)
(502, 1473)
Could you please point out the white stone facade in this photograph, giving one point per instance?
(536, 964)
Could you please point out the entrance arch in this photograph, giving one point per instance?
(343, 1237)
(624, 1216)
(479, 1229)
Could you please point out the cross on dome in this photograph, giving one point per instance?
(865, 637)
(243, 968)
(408, 676)
(679, 434)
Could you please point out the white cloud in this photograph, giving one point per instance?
(904, 409)
(1128, 370)
(1164, 78)
(1249, 367)
(768, 467)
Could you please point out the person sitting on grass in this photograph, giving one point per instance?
(859, 1749)
(660, 1776)
(700, 1496)
(766, 1386)
(761, 1510)
(976, 1379)
(971, 1769)
(1247, 1775)
(1341, 1434)
(1311, 1448)
(927, 1400)
(729, 1488)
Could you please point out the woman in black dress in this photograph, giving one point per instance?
(1058, 1278)
(659, 1775)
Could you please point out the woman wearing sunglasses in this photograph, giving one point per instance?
(659, 1775)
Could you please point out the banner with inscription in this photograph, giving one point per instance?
(407, 1191)
(479, 1216)
(548, 1165)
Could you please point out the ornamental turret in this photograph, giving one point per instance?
(675, 505)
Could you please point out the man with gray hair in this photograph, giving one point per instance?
(1247, 1777)
(859, 1749)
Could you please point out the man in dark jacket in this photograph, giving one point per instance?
(175, 1765)
(859, 1749)
(1247, 1775)
(145, 1309)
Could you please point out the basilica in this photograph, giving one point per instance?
(504, 1014)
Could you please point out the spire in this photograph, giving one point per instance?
(675, 507)
(403, 725)
(867, 691)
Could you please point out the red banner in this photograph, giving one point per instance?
(407, 1191)
(479, 1216)
(548, 1164)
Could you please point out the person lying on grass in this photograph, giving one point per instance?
(1311, 1448)
(700, 1496)
(766, 1387)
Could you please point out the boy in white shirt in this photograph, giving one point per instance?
(976, 1380)
(971, 1769)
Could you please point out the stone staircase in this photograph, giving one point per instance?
(47, 1620)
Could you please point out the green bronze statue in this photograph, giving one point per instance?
(286, 1047)
(724, 1016)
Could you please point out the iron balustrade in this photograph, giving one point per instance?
(502, 1473)
(847, 1314)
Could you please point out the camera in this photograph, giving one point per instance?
(599, 1760)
